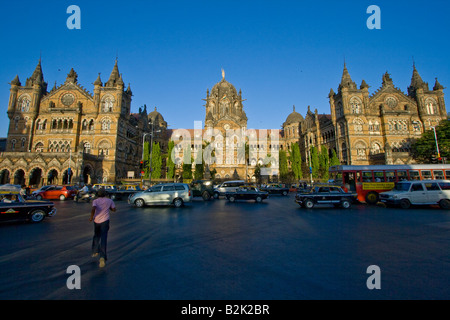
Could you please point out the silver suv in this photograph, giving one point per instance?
(162, 194)
(228, 186)
(425, 192)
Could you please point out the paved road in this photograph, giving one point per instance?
(231, 251)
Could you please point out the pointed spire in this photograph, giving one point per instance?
(72, 76)
(129, 89)
(387, 79)
(37, 76)
(416, 82)
(331, 94)
(114, 77)
(364, 85)
(293, 108)
(346, 80)
(438, 86)
(15, 81)
(98, 82)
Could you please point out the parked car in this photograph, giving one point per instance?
(43, 188)
(105, 186)
(228, 186)
(57, 192)
(176, 194)
(425, 192)
(275, 188)
(122, 192)
(334, 195)
(247, 193)
(202, 188)
(14, 207)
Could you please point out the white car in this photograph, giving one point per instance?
(424, 192)
(176, 194)
(228, 186)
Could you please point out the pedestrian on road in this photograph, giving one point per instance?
(100, 215)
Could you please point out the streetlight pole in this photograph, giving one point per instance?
(437, 146)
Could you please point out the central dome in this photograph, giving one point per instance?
(294, 117)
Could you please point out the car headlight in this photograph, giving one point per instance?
(395, 196)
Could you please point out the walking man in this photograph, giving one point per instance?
(100, 215)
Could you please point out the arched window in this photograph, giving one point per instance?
(106, 125)
(108, 103)
(39, 147)
(355, 105)
(91, 125)
(87, 148)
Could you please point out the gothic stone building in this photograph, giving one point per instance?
(68, 134)
(95, 138)
(367, 129)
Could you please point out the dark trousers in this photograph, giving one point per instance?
(100, 238)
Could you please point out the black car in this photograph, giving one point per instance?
(202, 188)
(275, 189)
(247, 193)
(334, 195)
(14, 207)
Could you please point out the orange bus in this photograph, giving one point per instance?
(368, 181)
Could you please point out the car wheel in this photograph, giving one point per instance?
(285, 193)
(216, 195)
(37, 216)
(309, 204)
(405, 204)
(372, 198)
(139, 203)
(178, 202)
(38, 197)
(346, 204)
(444, 204)
(231, 199)
(62, 197)
(258, 199)
(206, 196)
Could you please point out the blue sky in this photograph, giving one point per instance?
(280, 53)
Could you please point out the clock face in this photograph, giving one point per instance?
(391, 102)
(227, 126)
(67, 99)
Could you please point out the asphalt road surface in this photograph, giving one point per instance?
(218, 250)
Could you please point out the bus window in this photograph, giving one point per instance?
(349, 181)
(402, 176)
(414, 175)
(358, 176)
(367, 176)
(426, 174)
(438, 174)
(390, 176)
(447, 174)
(379, 176)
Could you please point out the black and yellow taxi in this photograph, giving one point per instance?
(13, 206)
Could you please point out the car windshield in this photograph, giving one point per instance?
(402, 186)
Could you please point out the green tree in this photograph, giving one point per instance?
(314, 162)
(187, 163)
(334, 161)
(283, 165)
(324, 163)
(156, 161)
(169, 162)
(199, 166)
(146, 159)
(424, 149)
(296, 161)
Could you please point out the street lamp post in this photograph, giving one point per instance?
(437, 145)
